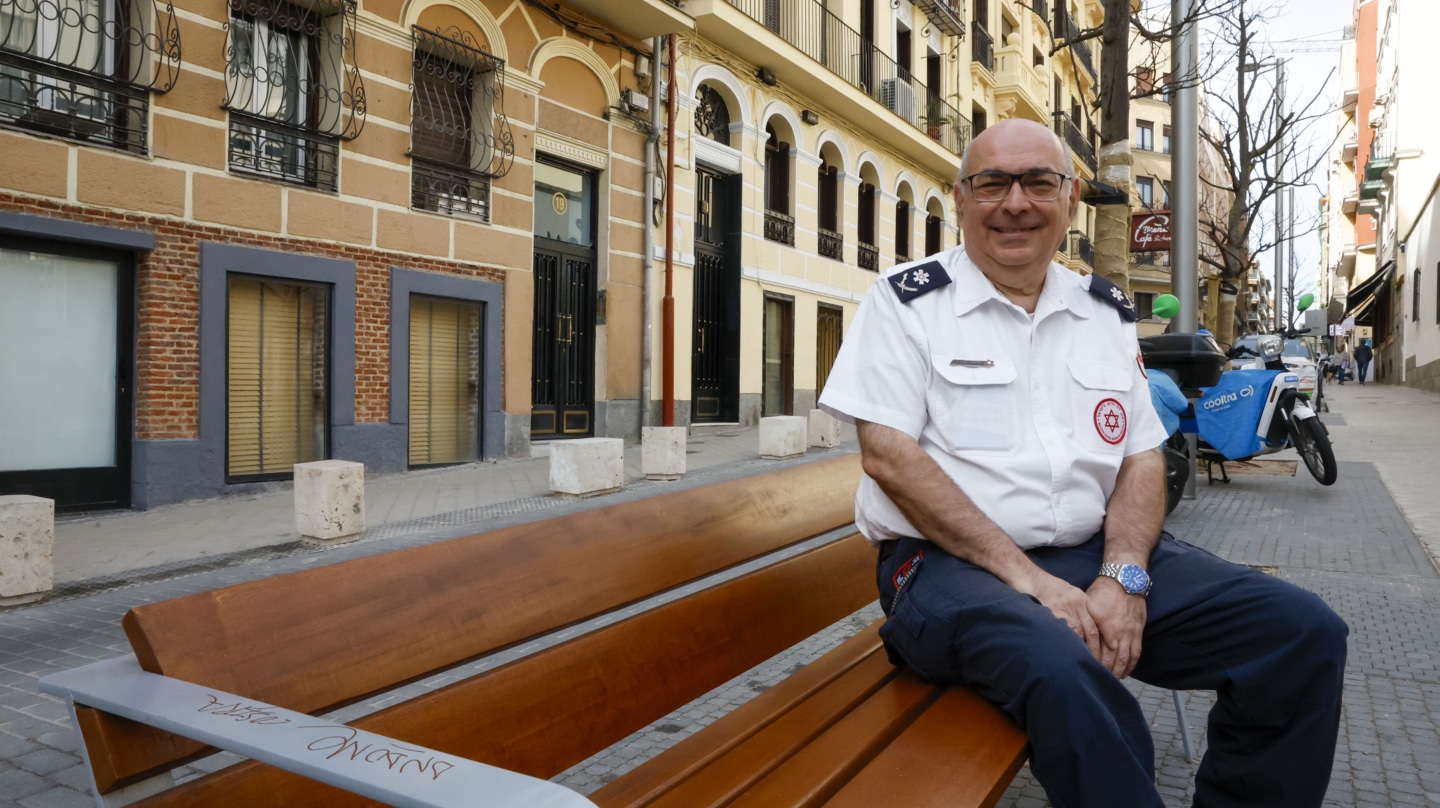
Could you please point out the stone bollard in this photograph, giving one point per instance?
(587, 467)
(329, 499)
(662, 452)
(27, 548)
(824, 429)
(782, 436)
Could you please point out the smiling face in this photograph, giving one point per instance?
(1013, 240)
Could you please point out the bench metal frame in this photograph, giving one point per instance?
(357, 761)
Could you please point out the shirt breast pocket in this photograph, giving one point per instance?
(975, 405)
(1100, 405)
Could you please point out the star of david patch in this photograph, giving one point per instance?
(1110, 421)
(916, 281)
(1115, 296)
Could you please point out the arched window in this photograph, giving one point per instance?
(712, 116)
(779, 224)
(830, 242)
(934, 227)
(867, 257)
(902, 231)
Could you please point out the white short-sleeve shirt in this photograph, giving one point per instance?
(1030, 415)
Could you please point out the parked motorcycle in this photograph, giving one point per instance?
(1278, 417)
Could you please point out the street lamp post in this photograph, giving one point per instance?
(1283, 249)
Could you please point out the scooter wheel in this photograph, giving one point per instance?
(1313, 444)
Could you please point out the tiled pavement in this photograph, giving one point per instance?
(1350, 542)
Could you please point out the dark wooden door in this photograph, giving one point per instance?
(715, 337)
(562, 394)
(778, 386)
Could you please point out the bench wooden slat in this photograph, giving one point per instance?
(729, 775)
(318, 639)
(962, 752)
(551, 710)
(807, 779)
(642, 786)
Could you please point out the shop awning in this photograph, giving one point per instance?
(1362, 296)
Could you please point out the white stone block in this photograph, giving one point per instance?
(662, 452)
(824, 429)
(587, 467)
(27, 548)
(329, 499)
(782, 436)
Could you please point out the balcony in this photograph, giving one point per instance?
(982, 47)
(1041, 8)
(641, 19)
(1080, 145)
(1066, 29)
(948, 15)
(1017, 81)
(84, 71)
(831, 244)
(1348, 151)
(780, 227)
(799, 36)
(867, 257)
(1081, 248)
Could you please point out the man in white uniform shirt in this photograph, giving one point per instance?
(1014, 489)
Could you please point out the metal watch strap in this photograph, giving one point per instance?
(1113, 571)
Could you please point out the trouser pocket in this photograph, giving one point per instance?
(916, 635)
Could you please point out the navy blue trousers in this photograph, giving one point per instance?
(1273, 653)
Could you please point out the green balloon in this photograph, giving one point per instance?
(1166, 306)
(1305, 301)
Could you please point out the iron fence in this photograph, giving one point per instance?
(831, 244)
(780, 227)
(1075, 139)
(867, 257)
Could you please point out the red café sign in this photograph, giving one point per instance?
(1150, 231)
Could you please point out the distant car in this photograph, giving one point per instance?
(1297, 357)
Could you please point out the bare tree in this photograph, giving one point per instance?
(1263, 145)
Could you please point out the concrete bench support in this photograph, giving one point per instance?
(329, 499)
(824, 429)
(27, 548)
(662, 452)
(782, 436)
(587, 467)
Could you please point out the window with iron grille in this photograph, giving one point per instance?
(84, 69)
(293, 88)
(829, 331)
(902, 231)
(459, 137)
(867, 256)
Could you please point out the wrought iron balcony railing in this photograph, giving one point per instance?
(1065, 28)
(1080, 247)
(780, 227)
(293, 87)
(948, 15)
(459, 136)
(831, 244)
(814, 30)
(1075, 139)
(867, 257)
(85, 71)
(982, 46)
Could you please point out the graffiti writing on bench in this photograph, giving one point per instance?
(243, 713)
(391, 755)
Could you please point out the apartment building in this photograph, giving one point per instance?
(238, 236)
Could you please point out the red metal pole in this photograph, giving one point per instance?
(668, 304)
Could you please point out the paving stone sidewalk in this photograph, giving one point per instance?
(1351, 543)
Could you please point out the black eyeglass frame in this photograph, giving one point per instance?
(1020, 177)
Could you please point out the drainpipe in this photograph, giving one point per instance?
(668, 304)
(649, 214)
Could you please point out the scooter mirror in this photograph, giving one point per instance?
(1166, 306)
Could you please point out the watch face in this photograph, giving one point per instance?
(1134, 578)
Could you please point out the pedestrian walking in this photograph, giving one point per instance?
(1342, 364)
(1363, 354)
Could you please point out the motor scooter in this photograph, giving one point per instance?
(1258, 409)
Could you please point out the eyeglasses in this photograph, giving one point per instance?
(1039, 186)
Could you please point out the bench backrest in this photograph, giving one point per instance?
(546, 712)
(324, 637)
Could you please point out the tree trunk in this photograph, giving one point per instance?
(1112, 222)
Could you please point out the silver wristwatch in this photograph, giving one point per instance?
(1131, 576)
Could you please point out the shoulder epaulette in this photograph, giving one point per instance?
(918, 280)
(1114, 295)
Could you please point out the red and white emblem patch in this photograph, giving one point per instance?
(1140, 360)
(1110, 421)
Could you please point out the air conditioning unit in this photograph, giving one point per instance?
(899, 97)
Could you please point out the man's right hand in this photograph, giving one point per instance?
(1067, 603)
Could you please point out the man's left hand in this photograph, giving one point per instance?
(1120, 616)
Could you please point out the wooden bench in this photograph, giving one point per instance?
(244, 668)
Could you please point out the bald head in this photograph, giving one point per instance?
(1011, 132)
